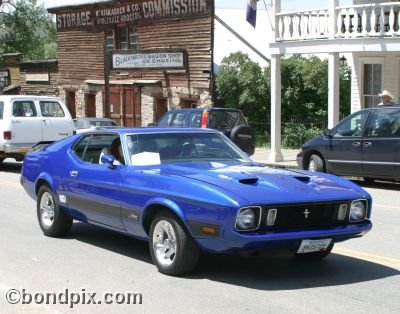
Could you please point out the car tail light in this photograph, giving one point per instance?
(7, 135)
(204, 118)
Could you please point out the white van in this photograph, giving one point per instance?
(28, 120)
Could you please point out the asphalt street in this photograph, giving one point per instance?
(96, 265)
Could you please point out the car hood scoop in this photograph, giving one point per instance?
(249, 180)
(259, 184)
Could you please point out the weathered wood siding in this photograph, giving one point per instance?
(80, 52)
(80, 56)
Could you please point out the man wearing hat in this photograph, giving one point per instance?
(387, 98)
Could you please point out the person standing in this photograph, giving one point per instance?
(387, 98)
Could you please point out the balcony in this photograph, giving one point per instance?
(379, 20)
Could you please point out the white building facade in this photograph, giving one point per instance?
(366, 32)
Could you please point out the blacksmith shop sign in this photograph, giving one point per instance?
(159, 59)
(98, 15)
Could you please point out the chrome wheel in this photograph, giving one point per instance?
(164, 243)
(47, 209)
(311, 165)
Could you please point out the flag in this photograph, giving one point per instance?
(251, 12)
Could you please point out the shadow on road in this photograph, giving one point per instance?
(264, 272)
(10, 165)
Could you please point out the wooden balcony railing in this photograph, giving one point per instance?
(367, 20)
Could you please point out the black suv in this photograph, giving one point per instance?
(231, 122)
(365, 144)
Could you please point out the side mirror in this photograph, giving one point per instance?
(328, 132)
(108, 159)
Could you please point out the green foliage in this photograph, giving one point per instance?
(243, 84)
(28, 28)
(295, 135)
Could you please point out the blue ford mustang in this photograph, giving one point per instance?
(190, 190)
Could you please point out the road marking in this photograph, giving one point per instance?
(374, 258)
(10, 183)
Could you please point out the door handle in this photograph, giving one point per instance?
(73, 173)
(367, 144)
(356, 144)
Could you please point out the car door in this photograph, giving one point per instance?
(56, 122)
(25, 123)
(381, 145)
(93, 189)
(343, 149)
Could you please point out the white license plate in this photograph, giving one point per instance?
(308, 246)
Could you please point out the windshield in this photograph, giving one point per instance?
(159, 148)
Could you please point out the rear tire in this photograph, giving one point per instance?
(316, 164)
(52, 219)
(172, 249)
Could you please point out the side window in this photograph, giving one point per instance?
(1, 110)
(91, 147)
(179, 119)
(166, 119)
(51, 109)
(24, 109)
(384, 123)
(352, 125)
(195, 119)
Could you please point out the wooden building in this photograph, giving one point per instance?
(39, 77)
(144, 56)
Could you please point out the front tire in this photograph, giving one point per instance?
(172, 249)
(52, 219)
(316, 164)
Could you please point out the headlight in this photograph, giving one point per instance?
(358, 210)
(248, 218)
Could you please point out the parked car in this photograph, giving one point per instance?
(365, 144)
(93, 123)
(190, 190)
(26, 121)
(231, 122)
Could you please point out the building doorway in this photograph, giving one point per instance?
(70, 102)
(125, 105)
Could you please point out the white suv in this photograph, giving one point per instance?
(28, 120)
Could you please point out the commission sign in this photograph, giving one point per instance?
(166, 59)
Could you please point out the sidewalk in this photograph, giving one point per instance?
(289, 157)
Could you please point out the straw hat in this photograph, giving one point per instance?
(386, 93)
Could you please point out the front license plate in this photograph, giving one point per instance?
(308, 246)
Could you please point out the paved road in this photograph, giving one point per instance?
(362, 276)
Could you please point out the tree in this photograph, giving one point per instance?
(26, 27)
(243, 84)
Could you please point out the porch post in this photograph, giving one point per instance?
(276, 153)
(333, 16)
(333, 89)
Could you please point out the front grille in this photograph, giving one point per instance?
(305, 215)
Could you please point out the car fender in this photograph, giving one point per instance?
(160, 201)
(44, 178)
